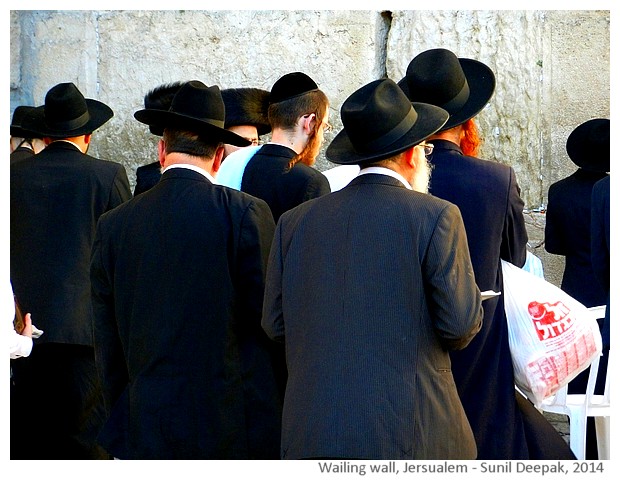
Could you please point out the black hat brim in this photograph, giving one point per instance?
(99, 113)
(20, 132)
(481, 81)
(167, 119)
(430, 120)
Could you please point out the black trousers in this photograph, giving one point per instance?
(56, 404)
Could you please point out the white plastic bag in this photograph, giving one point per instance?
(552, 336)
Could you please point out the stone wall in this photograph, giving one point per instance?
(552, 69)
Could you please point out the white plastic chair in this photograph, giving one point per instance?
(579, 407)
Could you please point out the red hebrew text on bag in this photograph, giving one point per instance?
(550, 319)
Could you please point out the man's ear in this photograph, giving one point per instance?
(217, 159)
(308, 123)
(410, 158)
(161, 152)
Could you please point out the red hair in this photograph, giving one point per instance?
(470, 140)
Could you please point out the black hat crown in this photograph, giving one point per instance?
(461, 86)
(379, 122)
(247, 106)
(21, 112)
(67, 113)
(290, 86)
(588, 145)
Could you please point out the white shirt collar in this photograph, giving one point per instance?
(386, 171)
(202, 171)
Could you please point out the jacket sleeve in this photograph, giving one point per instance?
(454, 299)
(121, 192)
(272, 320)
(317, 186)
(110, 360)
(256, 234)
(514, 236)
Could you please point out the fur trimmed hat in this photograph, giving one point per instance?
(247, 106)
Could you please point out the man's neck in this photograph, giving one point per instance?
(289, 139)
(178, 158)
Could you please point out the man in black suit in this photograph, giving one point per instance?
(369, 288)
(568, 233)
(178, 276)
(24, 144)
(57, 197)
(280, 172)
(488, 197)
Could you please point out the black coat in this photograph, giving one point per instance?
(267, 176)
(489, 199)
(178, 277)
(57, 197)
(20, 153)
(567, 233)
(147, 177)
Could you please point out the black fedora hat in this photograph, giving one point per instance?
(588, 145)
(379, 122)
(290, 86)
(196, 108)
(461, 86)
(66, 113)
(19, 114)
(247, 106)
(160, 98)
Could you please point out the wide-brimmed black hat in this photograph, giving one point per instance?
(160, 98)
(67, 113)
(461, 86)
(379, 122)
(19, 114)
(196, 108)
(290, 86)
(247, 106)
(588, 145)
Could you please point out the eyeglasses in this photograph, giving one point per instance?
(428, 148)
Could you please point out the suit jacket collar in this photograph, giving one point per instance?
(388, 172)
(445, 145)
(376, 179)
(277, 150)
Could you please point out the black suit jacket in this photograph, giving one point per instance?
(57, 197)
(567, 233)
(178, 276)
(20, 153)
(369, 287)
(267, 176)
(147, 177)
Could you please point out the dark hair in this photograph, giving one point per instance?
(285, 114)
(182, 141)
